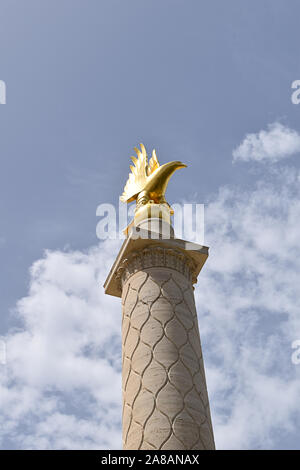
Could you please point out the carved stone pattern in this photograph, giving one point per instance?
(165, 401)
(157, 256)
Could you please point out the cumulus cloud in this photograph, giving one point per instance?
(248, 305)
(61, 387)
(275, 143)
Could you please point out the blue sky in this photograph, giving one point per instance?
(208, 83)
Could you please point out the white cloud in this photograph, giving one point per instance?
(276, 143)
(248, 304)
(61, 386)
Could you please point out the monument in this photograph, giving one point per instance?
(165, 400)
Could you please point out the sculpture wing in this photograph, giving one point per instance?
(153, 164)
(138, 177)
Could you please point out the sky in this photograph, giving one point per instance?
(204, 82)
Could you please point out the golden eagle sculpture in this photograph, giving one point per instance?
(148, 182)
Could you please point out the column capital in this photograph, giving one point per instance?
(144, 249)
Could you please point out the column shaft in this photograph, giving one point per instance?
(165, 400)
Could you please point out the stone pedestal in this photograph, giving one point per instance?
(165, 401)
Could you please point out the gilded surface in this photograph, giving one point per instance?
(148, 181)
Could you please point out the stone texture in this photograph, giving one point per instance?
(165, 401)
(188, 258)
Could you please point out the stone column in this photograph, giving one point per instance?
(165, 401)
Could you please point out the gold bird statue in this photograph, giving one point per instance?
(148, 182)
